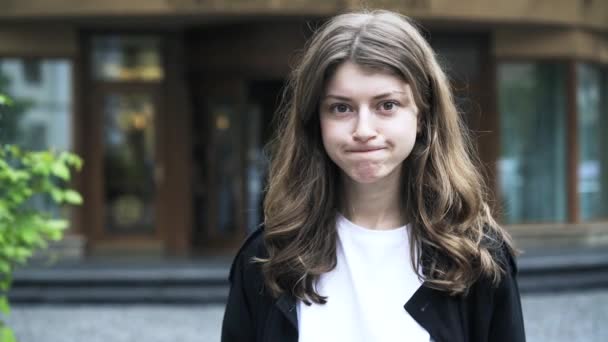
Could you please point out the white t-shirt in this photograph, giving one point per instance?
(367, 290)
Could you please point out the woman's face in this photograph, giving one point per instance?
(368, 122)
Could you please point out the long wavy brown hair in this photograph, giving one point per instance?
(444, 198)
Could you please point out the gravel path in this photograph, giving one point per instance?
(549, 317)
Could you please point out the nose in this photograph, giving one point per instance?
(364, 130)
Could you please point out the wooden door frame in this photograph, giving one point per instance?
(174, 197)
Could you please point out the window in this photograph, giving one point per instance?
(127, 58)
(592, 105)
(40, 117)
(32, 71)
(532, 161)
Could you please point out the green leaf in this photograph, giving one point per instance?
(31, 237)
(5, 100)
(57, 195)
(6, 335)
(8, 251)
(4, 211)
(57, 224)
(5, 267)
(15, 150)
(5, 283)
(60, 170)
(74, 160)
(54, 235)
(4, 306)
(55, 229)
(72, 197)
(22, 254)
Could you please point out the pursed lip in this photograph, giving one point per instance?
(364, 149)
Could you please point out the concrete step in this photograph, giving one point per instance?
(190, 282)
(174, 294)
(563, 269)
(206, 281)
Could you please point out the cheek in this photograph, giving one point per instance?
(330, 133)
(403, 132)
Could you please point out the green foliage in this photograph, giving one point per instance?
(5, 100)
(24, 229)
(6, 334)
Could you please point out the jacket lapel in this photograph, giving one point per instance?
(287, 305)
(435, 312)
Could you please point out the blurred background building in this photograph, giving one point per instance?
(170, 103)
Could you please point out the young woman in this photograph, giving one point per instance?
(376, 223)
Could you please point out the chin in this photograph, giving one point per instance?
(370, 173)
(366, 178)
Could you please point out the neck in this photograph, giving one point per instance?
(374, 205)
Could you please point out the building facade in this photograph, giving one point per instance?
(170, 103)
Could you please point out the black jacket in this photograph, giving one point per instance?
(486, 314)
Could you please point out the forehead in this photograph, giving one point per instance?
(350, 79)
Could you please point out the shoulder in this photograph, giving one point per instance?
(500, 301)
(497, 242)
(252, 247)
(488, 291)
(504, 255)
(507, 259)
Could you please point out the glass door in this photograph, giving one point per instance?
(128, 155)
(130, 163)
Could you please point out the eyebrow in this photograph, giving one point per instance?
(377, 97)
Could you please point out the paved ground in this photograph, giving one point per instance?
(549, 317)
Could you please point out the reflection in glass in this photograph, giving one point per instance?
(255, 168)
(593, 153)
(41, 115)
(226, 166)
(120, 58)
(532, 163)
(264, 99)
(129, 162)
